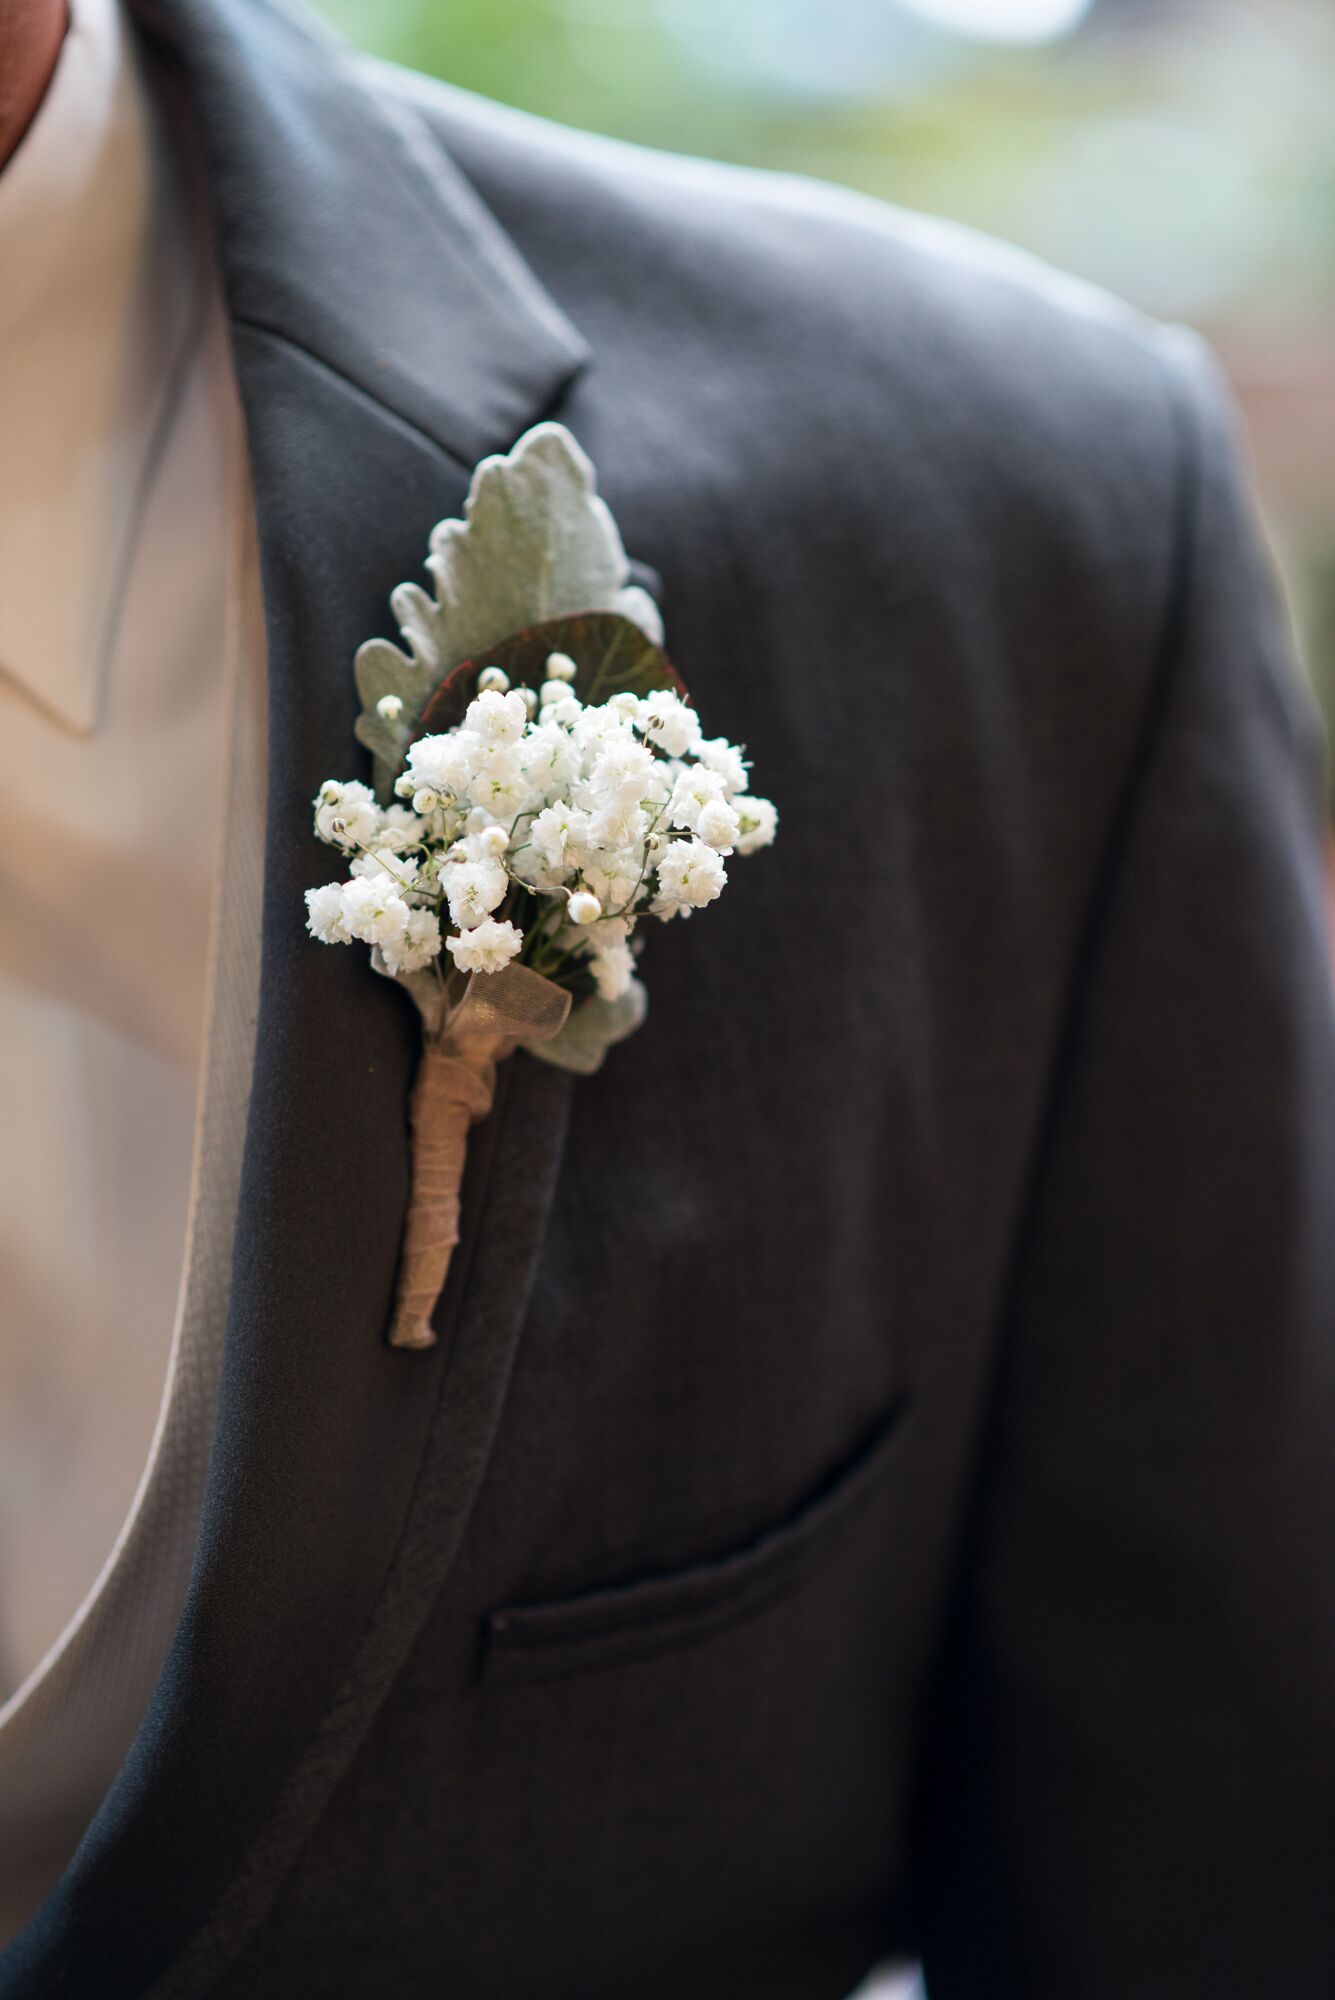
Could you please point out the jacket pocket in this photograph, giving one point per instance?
(617, 1622)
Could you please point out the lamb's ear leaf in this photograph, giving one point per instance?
(387, 748)
(612, 655)
(382, 669)
(592, 1029)
(535, 541)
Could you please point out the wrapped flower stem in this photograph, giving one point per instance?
(454, 1089)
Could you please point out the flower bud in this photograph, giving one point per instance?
(424, 801)
(560, 667)
(530, 700)
(584, 908)
(493, 678)
(553, 691)
(405, 785)
(389, 707)
(493, 841)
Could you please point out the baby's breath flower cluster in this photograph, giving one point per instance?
(540, 830)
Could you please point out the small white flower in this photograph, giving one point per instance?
(758, 822)
(566, 712)
(560, 667)
(389, 707)
(486, 948)
(584, 908)
(346, 816)
(374, 911)
(668, 722)
(497, 717)
(615, 878)
(662, 782)
(325, 917)
(593, 727)
(559, 835)
(417, 947)
(401, 829)
(382, 862)
(498, 782)
(690, 875)
(444, 763)
(613, 966)
(493, 680)
(718, 825)
(492, 842)
(550, 760)
(622, 770)
(620, 823)
(717, 754)
(474, 889)
(696, 788)
(529, 867)
(468, 845)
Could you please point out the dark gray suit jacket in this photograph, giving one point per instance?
(876, 1486)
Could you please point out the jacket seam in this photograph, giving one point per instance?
(1166, 657)
(1164, 679)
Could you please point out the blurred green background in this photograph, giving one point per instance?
(1181, 152)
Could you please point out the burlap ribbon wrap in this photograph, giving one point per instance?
(454, 1088)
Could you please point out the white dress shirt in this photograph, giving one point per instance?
(130, 658)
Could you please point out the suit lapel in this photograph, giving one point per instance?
(386, 336)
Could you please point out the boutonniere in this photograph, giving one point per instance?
(542, 784)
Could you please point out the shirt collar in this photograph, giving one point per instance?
(94, 251)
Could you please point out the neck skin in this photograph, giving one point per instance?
(31, 32)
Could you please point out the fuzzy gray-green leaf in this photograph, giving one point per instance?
(592, 1029)
(535, 543)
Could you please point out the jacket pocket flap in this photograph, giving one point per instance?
(601, 1627)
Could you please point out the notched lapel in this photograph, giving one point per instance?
(343, 226)
(342, 1473)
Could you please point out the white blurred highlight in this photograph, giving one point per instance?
(1002, 20)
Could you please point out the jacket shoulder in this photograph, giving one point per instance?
(792, 279)
(887, 406)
